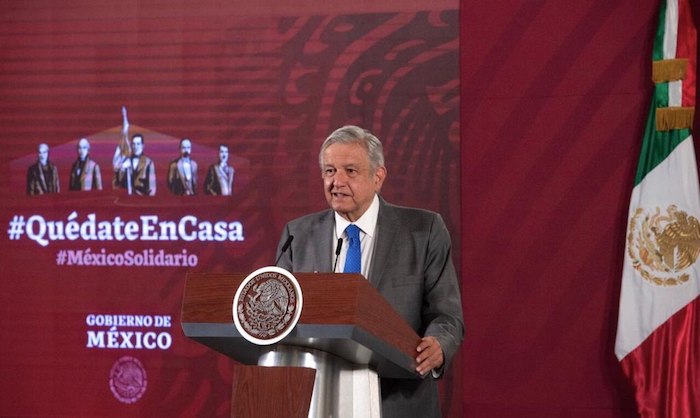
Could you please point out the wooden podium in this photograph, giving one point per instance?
(346, 328)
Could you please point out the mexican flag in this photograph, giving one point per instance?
(658, 333)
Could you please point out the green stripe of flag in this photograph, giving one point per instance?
(661, 94)
(657, 145)
(658, 51)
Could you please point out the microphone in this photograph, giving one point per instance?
(286, 245)
(337, 253)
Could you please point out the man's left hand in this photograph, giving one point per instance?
(430, 355)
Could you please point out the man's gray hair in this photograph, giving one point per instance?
(351, 134)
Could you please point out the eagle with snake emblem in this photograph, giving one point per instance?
(665, 243)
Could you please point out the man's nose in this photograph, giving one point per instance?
(339, 178)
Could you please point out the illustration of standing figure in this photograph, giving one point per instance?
(137, 173)
(42, 176)
(182, 172)
(219, 180)
(85, 173)
(133, 171)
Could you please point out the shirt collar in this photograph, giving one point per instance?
(367, 222)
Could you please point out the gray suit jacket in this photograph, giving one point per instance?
(412, 268)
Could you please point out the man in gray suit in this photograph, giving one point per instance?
(406, 253)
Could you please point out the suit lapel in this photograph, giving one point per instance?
(83, 172)
(139, 166)
(321, 234)
(387, 225)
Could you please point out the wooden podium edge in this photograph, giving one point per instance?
(343, 307)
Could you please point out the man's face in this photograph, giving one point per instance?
(185, 148)
(137, 145)
(349, 183)
(43, 154)
(83, 148)
(223, 154)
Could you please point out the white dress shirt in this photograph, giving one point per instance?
(368, 227)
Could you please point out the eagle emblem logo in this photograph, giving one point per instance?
(267, 305)
(663, 245)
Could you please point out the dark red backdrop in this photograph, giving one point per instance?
(519, 121)
(554, 96)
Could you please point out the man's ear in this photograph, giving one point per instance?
(379, 177)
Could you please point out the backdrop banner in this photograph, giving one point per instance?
(96, 249)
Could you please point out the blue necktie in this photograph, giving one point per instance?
(353, 258)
